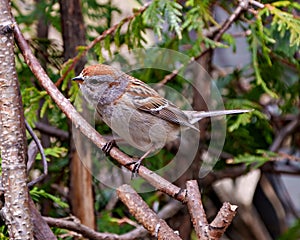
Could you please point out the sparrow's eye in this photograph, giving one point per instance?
(93, 81)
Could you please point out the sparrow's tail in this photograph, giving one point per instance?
(195, 116)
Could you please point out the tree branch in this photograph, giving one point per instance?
(76, 226)
(13, 144)
(52, 131)
(223, 219)
(204, 231)
(41, 150)
(196, 209)
(140, 210)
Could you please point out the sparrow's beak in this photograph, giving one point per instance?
(78, 79)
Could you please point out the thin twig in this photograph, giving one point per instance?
(43, 156)
(51, 130)
(283, 133)
(256, 4)
(76, 226)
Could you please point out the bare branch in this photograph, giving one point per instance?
(223, 219)
(196, 209)
(283, 133)
(204, 231)
(51, 130)
(141, 211)
(256, 4)
(43, 156)
(76, 226)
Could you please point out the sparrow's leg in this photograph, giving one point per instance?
(137, 164)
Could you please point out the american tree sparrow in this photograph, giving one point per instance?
(135, 111)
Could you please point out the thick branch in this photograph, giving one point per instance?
(13, 145)
(140, 210)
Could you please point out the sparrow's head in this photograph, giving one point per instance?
(97, 73)
(96, 79)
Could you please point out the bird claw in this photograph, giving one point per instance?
(135, 168)
(108, 146)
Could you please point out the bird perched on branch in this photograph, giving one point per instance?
(135, 111)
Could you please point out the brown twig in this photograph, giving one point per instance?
(223, 219)
(43, 156)
(167, 211)
(76, 226)
(98, 39)
(141, 211)
(80, 123)
(52, 131)
(283, 133)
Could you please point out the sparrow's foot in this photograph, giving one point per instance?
(108, 146)
(136, 166)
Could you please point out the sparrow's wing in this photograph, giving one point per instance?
(148, 100)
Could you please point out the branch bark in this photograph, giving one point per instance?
(196, 209)
(140, 210)
(12, 134)
(218, 226)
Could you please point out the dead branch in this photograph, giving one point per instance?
(141, 211)
(43, 156)
(76, 226)
(217, 227)
(223, 219)
(196, 209)
(52, 131)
